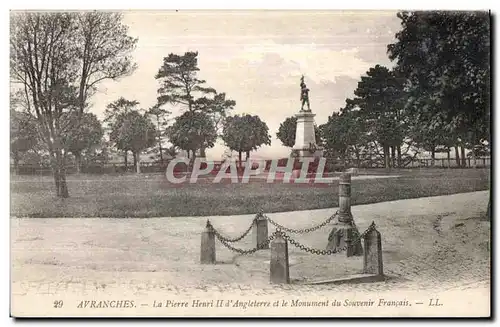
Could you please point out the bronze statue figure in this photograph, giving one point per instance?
(304, 94)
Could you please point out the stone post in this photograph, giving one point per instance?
(279, 269)
(260, 231)
(372, 261)
(344, 232)
(207, 254)
(345, 215)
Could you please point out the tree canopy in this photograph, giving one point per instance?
(445, 58)
(191, 131)
(133, 131)
(245, 133)
(88, 134)
(58, 59)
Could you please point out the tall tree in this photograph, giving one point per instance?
(288, 129)
(119, 106)
(217, 107)
(191, 131)
(445, 57)
(113, 110)
(245, 133)
(160, 119)
(58, 59)
(133, 132)
(179, 80)
(88, 134)
(179, 84)
(343, 135)
(380, 98)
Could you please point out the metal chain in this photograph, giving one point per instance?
(244, 252)
(308, 249)
(304, 230)
(237, 239)
(323, 252)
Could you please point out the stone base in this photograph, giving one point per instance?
(336, 239)
(301, 153)
(353, 279)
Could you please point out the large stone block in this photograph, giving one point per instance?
(207, 252)
(305, 137)
(260, 231)
(279, 267)
(345, 236)
(372, 261)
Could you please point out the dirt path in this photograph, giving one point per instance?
(438, 243)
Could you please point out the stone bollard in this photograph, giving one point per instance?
(345, 215)
(260, 231)
(344, 231)
(207, 254)
(372, 261)
(279, 269)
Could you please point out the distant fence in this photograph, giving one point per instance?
(451, 163)
(331, 165)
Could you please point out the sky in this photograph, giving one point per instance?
(257, 59)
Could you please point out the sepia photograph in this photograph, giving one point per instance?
(250, 163)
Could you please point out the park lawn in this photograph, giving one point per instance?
(151, 195)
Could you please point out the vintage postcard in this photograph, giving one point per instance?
(257, 163)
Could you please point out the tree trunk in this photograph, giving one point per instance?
(393, 156)
(457, 156)
(474, 161)
(203, 152)
(55, 172)
(247, 155)
(137, 160)
(387, 161)
(78, 161)
(125, 159)
(16, 162)
(159, 138)
(398, 150)
(191, 162)
(462, 155)
(63, 185)
(358, 159)
(239, 158)
(433, 157)
(59, 171)
(449, 158)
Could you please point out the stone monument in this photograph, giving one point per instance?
(344, 233)
(305, 138)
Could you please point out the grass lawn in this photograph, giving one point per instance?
(149, 195)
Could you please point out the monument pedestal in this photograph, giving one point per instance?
(344, 232)
(305, 138)
(341, 235)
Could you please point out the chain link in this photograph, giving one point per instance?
(323, 252)
(239, 238)
(280, 231)
(304, 230)
(242, 251)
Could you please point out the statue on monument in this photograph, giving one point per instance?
(304, 94)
